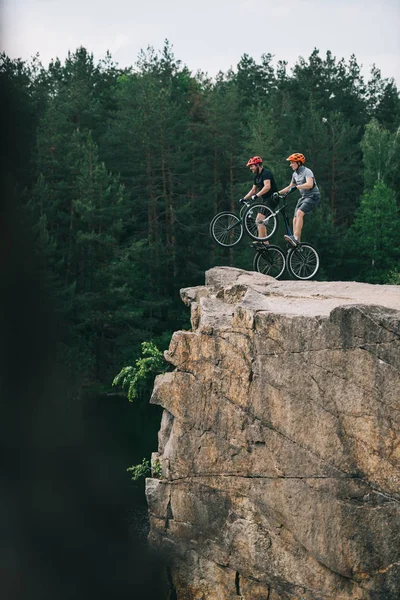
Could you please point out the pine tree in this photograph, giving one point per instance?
(374, 234)
(126, 168)
(380, 150)
(383, 100)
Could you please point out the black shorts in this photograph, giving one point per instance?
(270, 203)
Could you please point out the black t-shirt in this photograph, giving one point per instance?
(259, 179)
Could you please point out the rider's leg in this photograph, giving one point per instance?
(298, 222)
(262, 230)
(304, 206)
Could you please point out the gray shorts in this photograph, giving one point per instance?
(308, 203)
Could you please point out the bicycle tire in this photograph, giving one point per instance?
(303, 261)
(243, 208)
(212, 222)
(254, 266)
(226, 229)
(250, 225)
(271, 261)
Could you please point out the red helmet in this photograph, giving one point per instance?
(256, 160)
(297, 157)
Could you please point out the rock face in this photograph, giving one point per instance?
(279, 442)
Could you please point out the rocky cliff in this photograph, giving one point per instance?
(279, 442)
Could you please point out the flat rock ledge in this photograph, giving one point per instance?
(279, 442)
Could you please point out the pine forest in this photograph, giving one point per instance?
(117, 173)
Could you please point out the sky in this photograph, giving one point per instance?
(206, 35)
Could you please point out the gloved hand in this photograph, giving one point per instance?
(242, 200)
(254, 197)
(275, 196)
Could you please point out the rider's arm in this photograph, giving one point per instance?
(308, 185)
(251, 192)
(265, 189)
(287, 188)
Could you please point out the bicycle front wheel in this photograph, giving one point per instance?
(243, 208)
(258, 228)
(226, 229)
(303, 261)
(270, 261)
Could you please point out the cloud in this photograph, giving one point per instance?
(209, 35)
(120, 41)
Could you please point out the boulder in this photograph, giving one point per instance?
(279, 442)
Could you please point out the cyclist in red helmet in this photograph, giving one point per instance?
(303, 179)
(264, 187)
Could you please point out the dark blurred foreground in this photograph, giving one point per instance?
(64, 531)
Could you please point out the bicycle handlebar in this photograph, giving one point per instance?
(275, 196)
(278, 196)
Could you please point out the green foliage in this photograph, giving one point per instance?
(393, 277)
(383, 100)
(132, 378)
(121, 171)
(156, 466)
(145, 469)
(381, 151)
(374, 235)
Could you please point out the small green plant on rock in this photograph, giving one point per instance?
(145, 469)
(132, 379)
(156, 469)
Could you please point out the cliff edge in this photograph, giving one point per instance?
(279, 442)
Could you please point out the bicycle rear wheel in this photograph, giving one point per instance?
(270, 261)
(251, 224)
(303, 261)
(226, 229)
(255, 259)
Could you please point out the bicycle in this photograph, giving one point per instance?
(226, 228)
(269, 260)
(302, 261)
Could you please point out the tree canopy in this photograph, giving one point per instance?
(121, 170)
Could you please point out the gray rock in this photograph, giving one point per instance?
(279, 444)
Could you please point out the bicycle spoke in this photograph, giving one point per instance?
(271, 261)
(259, 228)
(227, 229)
(303, 261)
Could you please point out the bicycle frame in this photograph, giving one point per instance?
(241, 213)
(226, 227)
(284, 216)
(302, 261)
